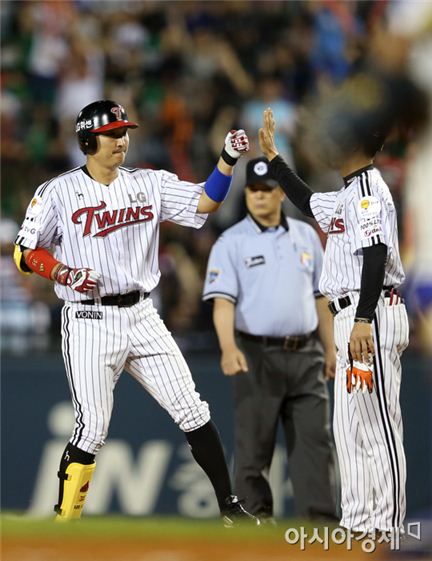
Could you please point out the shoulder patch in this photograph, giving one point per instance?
(213, 275)
(369, 206)
(35, 206)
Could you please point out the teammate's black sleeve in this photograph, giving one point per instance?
(295, 188)
(372, 279)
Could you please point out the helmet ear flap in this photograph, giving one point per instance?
(87, 143)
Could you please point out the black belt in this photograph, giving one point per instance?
(289, 343)
(335, 306)
(120, 300)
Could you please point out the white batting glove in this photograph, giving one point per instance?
(236, 144)
(81, 280)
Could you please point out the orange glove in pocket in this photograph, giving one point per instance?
(359, 376)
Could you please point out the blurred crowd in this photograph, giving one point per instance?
(188, 72)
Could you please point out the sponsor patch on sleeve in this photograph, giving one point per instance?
(35, 206)
(369, 206)
(370, 227)
(213, 274)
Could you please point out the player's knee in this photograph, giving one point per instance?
(194, 417)
(92, 440)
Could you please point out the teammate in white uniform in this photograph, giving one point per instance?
(361, 273)
(102, 222)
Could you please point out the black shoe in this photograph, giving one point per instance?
(267, 520)
(235, 515)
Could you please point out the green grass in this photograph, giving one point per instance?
(16, 525)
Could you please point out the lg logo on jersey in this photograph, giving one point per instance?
(140, 198)
(337, 226)
(109, 221)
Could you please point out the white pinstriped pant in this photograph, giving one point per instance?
(135, 339)
(368, 427)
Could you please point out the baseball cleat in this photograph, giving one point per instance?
(267, 520)
(236, 515)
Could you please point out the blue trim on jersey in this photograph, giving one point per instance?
(217, 186)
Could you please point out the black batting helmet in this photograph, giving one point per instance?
(99, 117)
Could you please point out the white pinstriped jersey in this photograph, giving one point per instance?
(360, 215)
(112, 229)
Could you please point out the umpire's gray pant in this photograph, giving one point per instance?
(290, 386)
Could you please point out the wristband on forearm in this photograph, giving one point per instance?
(41, 262)
(217, 185)
(229, 160)
(362, 320)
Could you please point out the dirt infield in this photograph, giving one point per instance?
(99, 549)
(120, 539)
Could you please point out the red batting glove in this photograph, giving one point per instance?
(81, 280)
(236, 143)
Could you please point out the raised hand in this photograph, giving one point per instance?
(236, 143)
(266, 135)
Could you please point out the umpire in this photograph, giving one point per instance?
(263, 277)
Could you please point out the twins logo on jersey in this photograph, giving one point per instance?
(110, 220)
(337, 224)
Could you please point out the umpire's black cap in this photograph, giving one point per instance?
(257, 173)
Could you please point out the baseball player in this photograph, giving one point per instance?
(361, 274)
(101, 221)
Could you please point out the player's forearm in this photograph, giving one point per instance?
(216, 188)
(325, 324)
(372, 280)
(223, 319)
(41, 262)
(218, 183)
(293, 186)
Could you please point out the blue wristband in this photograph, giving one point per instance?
(217, 186)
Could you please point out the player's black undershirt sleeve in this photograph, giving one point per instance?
(295, 188)
(372, 279)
